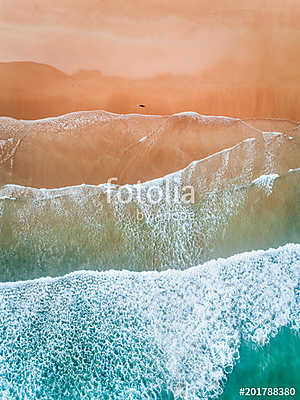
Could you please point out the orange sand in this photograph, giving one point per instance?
(224, 57)
(91, 147)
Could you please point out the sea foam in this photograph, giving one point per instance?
(245, 198)
(149, 335)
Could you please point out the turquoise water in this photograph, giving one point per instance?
(147, 335)
(277, 364)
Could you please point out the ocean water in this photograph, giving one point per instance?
(128, 335)
(154, 298)
(246, 197)
(277, 364)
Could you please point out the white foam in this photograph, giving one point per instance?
(196, 115)
(89, 333)
(7, 198)
(266, 182)
(294, 170)
(273, 133)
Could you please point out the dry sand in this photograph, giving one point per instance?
(225, 57)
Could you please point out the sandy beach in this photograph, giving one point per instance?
(221, 58)
(149, 199)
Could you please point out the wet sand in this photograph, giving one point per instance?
(91, 147)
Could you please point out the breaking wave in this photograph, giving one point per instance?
(246, 197)
(156, 335)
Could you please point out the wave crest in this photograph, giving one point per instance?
(117, 335)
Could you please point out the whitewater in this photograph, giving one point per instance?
(160, 300)
(126, 335)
